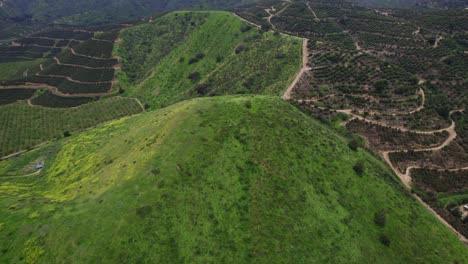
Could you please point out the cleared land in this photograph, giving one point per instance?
(234, 179)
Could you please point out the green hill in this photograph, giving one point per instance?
(188, 54)
(243, 179)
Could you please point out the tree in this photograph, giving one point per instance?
(66, 134)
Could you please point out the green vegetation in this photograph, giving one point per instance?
(19, 69)
(226, 179)
(24, 127)
(187, 54)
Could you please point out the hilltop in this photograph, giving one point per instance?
(189, 54)
(222, 179)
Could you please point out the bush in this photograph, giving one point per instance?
(66, 134)
(194, 76)
(384, 240)
(380, 218)
(239, 49)
(245, 28)
(354, 144)
(202, 89)
(359, 168)
(266, 27)
(197, 58)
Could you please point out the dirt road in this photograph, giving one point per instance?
(305, 68)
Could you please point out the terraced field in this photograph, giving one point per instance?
(395, 77)
(48, 89)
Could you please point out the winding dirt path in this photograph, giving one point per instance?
(305, 68)
(272, 9)
(437, 41)
(246, 21)
(21, 176)
(81, 66)
(89, 57)
(73, 80)
(54, 90)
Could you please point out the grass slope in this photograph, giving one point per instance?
(24, 126)
(227, 179)
(19, 69)
(160, 65)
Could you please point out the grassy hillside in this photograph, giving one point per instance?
(188, 54)
(25, 126)
(226, 179)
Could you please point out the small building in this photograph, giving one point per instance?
(39, 166)
(465, 207)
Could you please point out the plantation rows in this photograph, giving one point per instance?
(37, 41)
(64, 34)
(24, 126)
(385, 138)
(10, 53)
(80, 74)
(68, 87)
(441, 181)
(67, 57)
(48, 99)
(108, 36)
(448, 21)
(95, 48)
(12, 95)
(450, 157)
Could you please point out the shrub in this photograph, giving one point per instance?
(266, 27)
(359, 168)
(380, 218)
(194, 76)
(143, 211)
(248, 104)
(202, 89)
(354, 144)
(384, 240)
(66, 134)
(245, 28)
(239, 49)
(197, 58)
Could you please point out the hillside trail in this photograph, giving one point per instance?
(81, 66)
(73, 80)
(89, 57)
(21, 176)
(247, 21)
(437, 41)
(272, 9)
(313, 12)
(305, 68)
(54, 90)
